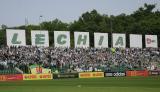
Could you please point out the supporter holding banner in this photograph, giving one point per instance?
(101, 40)
(135, 41)
(62, 38)
(37, 69)
(81, 39)
(15, 37)
(119, 40)
(151, 41)
(40, 38)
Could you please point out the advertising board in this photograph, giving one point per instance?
(114, 74)
(91, 75)
(65, 75)
(154, 72)
(2, 78)
(37, 76)
(12, 77)
(137, 73)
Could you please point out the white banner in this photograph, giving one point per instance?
(81, 39)
(151, 41)
(62, 38)
(101, 40)
(40, 38)
(15, 37)
(119, 40)
(135, 41)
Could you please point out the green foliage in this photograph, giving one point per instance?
(54, 25)
(2, 37)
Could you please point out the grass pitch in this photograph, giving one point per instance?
(108, 84)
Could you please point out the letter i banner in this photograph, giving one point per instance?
(101, 40)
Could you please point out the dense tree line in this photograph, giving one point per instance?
(146, 20)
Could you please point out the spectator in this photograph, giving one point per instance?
(80, 59)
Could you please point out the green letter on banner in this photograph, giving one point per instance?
(119, 41)
(80, 39)
(101, 40)
(59, 39)
(40, 38)
(14, 39)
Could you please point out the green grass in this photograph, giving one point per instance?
(108, 84)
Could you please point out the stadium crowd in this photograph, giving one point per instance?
(80, 59)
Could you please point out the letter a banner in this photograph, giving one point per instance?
(62, 38)
(119, 40)
(151, 41)
(40, 38)
(81, 39)
(15, 37)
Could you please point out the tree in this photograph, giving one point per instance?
(3, 27)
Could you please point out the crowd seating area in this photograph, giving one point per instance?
(79, 59)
